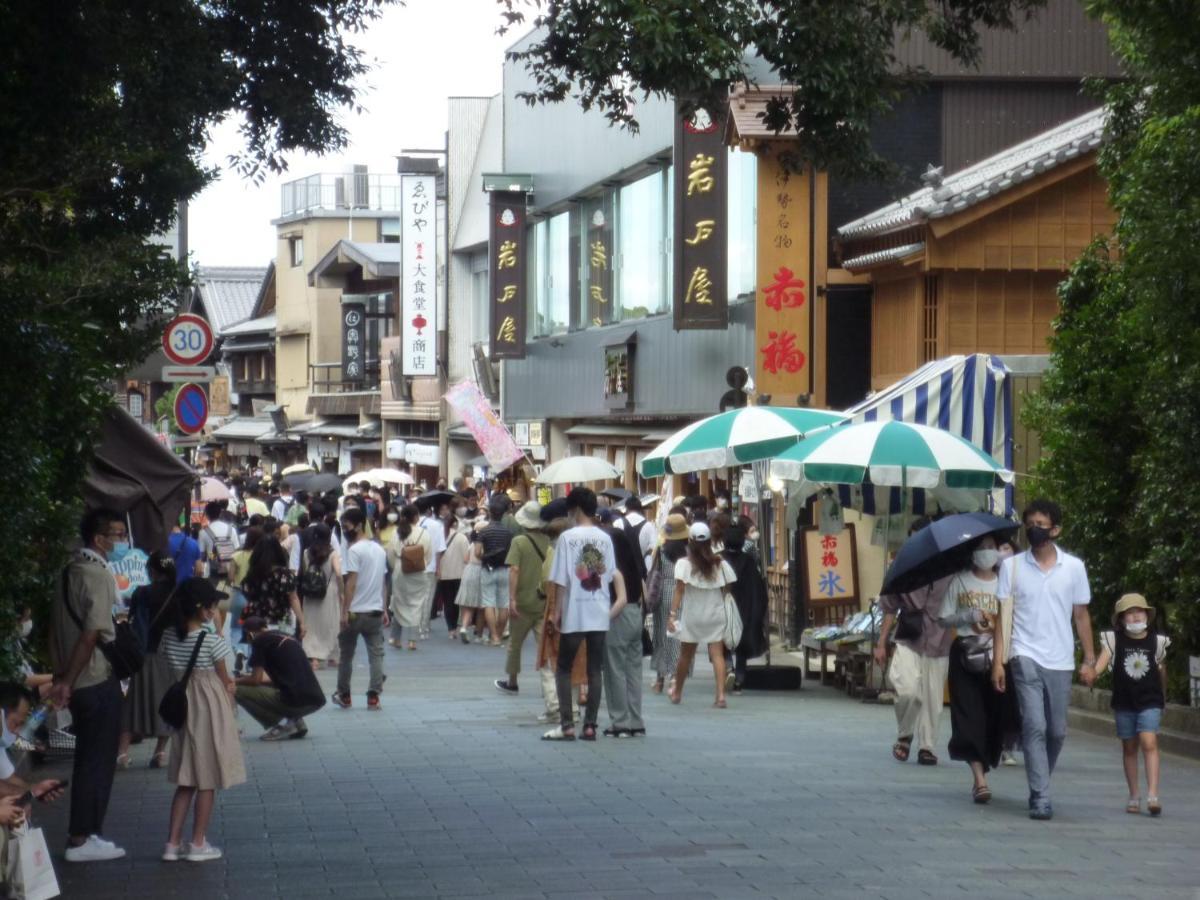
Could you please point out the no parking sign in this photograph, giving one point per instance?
(191, 408)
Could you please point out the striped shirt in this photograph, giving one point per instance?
(177, 652)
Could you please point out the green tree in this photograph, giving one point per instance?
(840, 56)
(1120, 410)
(105, 114)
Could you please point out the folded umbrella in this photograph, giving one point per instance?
(929, 554)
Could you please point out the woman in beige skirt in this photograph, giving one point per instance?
(205, 753)
(408, 588)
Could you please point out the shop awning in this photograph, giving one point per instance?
(460, 433)
(970, 396)
(336, 429)
(604, 430)
(245, 428)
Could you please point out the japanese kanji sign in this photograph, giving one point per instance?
(506, 274)
(354, 341)
(830, 568)
(701, 239)
(784, 289)
(599, 262)
(418, 274)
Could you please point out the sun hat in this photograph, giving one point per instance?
(529, 516)
(676, 528)
(1132, 601)
(699, 532)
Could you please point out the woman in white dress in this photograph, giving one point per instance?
(701, 579)
(414, 544)
(323, 612)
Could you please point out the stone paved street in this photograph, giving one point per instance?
(449, 793)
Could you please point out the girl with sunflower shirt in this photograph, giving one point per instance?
(1136, 655)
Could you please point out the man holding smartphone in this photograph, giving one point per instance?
(15, 702)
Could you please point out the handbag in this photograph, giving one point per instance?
(977, 653)
(124, 652)
(30, 872)
(731, 635)
(909, 625)
(173, 708)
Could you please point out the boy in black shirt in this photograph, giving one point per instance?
(281, 688)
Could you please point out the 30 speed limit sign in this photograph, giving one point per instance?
(188, 340)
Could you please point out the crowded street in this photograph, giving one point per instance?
(448, 792)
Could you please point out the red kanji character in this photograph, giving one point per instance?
(785, 292)
(782, 353)
(830, 560)
(829, 542)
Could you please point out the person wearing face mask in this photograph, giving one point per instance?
(15, 703)
(1046, 589)
(976, 709)
(81, 623)
(386, 529)
(206, 755)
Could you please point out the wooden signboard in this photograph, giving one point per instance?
(701, 240)
(829, 569)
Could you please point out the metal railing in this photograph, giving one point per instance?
(327, 378)
(344, 191)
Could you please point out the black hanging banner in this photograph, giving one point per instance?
(506, 274)
(354, 341)
(701, 238)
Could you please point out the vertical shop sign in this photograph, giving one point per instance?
(783, 294)
(600, 261)
(418, 273)
(354, 341)
(506, 274)
(700, 245)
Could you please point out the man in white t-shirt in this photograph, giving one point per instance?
(436, 529)
(1047, 587)
(364, 608)
(584, 566)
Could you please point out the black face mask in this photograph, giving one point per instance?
(1037, 535)
(350, 533)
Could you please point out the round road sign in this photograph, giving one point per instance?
(187, 340)
(191, 408)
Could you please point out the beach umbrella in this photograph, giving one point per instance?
(734, 438)
(579, 470)
(895, 454)
(928, 555)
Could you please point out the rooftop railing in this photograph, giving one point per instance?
(344, 191)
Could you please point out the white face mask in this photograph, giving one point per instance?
(985, 559)
(1137, 627)
(392, 517)
(26, 628)
(753, 535)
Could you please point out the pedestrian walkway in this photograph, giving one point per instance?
(448, 792)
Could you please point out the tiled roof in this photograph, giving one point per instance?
(883, 256)
(252, 326)
(228, 294)
(986, 178)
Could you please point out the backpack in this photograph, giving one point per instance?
(222, 552)
(412, 557)
(313, 581)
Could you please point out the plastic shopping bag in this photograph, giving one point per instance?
(30, 870)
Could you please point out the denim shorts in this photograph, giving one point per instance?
(493, 584)
(1131, 723)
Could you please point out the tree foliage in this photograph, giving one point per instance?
(105, 114)
(1120, 410)
(841, 58)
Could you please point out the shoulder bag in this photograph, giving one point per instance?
(732, 633)
(173, 708)
(125, 652)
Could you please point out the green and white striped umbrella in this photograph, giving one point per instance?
(735, 437)
(896, 454)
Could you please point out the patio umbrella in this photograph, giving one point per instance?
(736, 437)
(927, 555)
(578, 470)
(389, 476)
(212, 489)
(297, 468)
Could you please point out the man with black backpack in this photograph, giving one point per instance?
(81, 626)
(632, 521)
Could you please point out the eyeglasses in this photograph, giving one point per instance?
(116, 534)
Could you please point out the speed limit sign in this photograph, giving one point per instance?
(188, 339)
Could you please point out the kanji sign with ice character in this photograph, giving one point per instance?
(418, 274)
(830, 567)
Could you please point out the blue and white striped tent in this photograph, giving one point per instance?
(970, 396)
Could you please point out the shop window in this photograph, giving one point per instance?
(742, 215)
(642, 259)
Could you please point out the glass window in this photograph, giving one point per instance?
(599, 257)
(480, 308)
(389, 231)
(641, 276)
(743, 207)
(296, 248)
(551, 275)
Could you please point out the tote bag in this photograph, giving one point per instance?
(30, 871)
(731, 636)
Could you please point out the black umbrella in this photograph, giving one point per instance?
(618, 493)
(316, 482)
(437, 497)
(926, 556)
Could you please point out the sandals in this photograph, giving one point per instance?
(926, 758)
(158, 760)
(901, 748)
(412, 645)
(658, 686)
(981, 794)
(719, 704)
(589, 733)
(1154, 806)
(124, 761)
(1134, 806)
(558, 733)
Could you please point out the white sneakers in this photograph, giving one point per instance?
(190, 852)
(94, 849)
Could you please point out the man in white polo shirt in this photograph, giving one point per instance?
(1048, 587)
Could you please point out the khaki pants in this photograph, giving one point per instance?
(518, 629)
(919, 683)
(265, 704)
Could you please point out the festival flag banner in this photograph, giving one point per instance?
(418, 275)
(489, 432)
(701, 240)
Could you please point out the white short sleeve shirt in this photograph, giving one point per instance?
(584, 563)
(368, 561)
(1043, 603)
(437, 535)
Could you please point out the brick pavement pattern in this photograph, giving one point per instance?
(448, 792)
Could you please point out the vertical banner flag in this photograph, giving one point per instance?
(701, 239)
(418, 274)
(354, 341)
(784, 289)
(489, 432)
(506, 274)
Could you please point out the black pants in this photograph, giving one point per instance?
(447, 590)
(568, 646)
(96, 714)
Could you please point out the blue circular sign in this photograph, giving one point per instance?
(191, 408)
